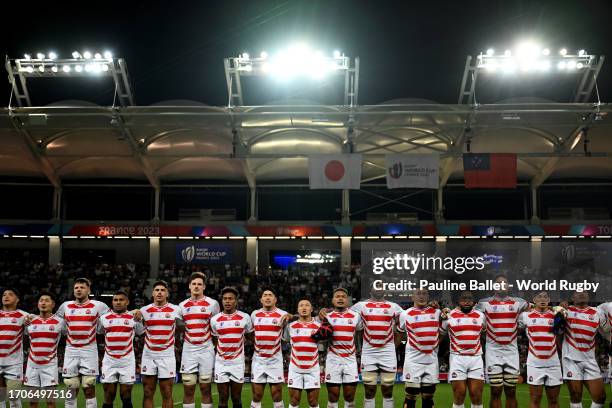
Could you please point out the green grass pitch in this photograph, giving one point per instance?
(443, 397)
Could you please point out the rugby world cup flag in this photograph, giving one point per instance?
(335, 171)
(412, 170)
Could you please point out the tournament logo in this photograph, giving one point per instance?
(454, 375)
(569, 374)
(530, 378)
(291, 381)
(396, 170)
(144, 369)
(188, 253)
(407, 376)
(328, 377)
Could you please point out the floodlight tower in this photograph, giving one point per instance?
(529, 59)
(297, 61)
(85, 64)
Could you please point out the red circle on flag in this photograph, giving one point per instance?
(334, 170)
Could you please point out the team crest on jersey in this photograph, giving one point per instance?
(275, 321)
(474, 321)
(386, 311)
(88, 311)
(33, 327)
(237, 324)
(72, 311)
(550, 321)
(150, 314)
(51, 328)
(511, 308)
(370, 310)
(126, 322)
(591, 318)
(14, 320)
(350, 321)
(167, 315)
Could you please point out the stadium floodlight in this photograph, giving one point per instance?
(297, 61)
(529, 58)
(87, 64)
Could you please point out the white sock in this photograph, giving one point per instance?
(575, 404)
(388, 402)
(596, 405)
(332, 405)
(207, 405)
(476, 406)
(279, 404)
(369, 403)
(14, 404)
(315, 406)
(71, 402)
(348, 404)
(293, 406)
(192, 405)
(458, 406)
(91, 403)
(253, 404)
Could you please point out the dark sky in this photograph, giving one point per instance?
(417, 49)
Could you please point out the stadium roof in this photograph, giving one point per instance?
(184, 141)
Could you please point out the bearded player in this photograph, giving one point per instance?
(421, 323)
(378, 357)
(502, 356)
(198, 356)
(267, 364)
(81, 355)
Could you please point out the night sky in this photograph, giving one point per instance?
(408, 49)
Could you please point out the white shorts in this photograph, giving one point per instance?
(502, 361)
(12, 372)
(548, 376)
(580, 370)
(201, 362)
(304, 380)
(340, 370)
(80, 361)
(41, 375)
(267, 370)
(225, 372)
(421, 373)
(162, 367)
(381, 359)
(122, 370)
(464, 367)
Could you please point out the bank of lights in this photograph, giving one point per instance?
(296, 61)
(80, 64)
(530, 58)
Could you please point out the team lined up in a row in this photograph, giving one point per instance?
(379, 320)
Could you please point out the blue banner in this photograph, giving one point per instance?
(203, 254)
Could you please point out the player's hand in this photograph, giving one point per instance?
(137, 315)
(286, 318)
(564, 304)
(444, 314)
(434, 304)
(323, 314)
(560, 310)
(28, 319)
(530, 306)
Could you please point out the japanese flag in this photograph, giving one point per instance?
(335, 171)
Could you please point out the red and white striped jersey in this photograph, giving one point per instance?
(230, 330)
(196, 315)
(464, 331)
(160, 325)
(580, 332)
(11, 336)
(268, 332)
(606, 310)
(344, 325)
(502, 320)
(378, 321)
(304, 350)
(119, 329)
(45, 335)
(81, 321)
(422, 327)
(542, 340)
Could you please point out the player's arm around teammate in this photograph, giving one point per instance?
(12, 322)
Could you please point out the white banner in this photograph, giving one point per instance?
(335, 171)
(413, 170)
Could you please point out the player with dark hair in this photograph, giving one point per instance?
(341, 362)
(12, 322)
(81, 356)
(464, 326)
(421, 323)
(198, 356)
(158, 359)
(45, 331)
(119, 363)
(267, 364)
(230, 328)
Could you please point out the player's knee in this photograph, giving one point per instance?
(412, 390)
(12, 384)
(88, 381)
(369, 377)
(205, 378)
(189, 379)
(72, 382)
(496, 381)
(428, 390)
(387, 379)
(510, 381)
